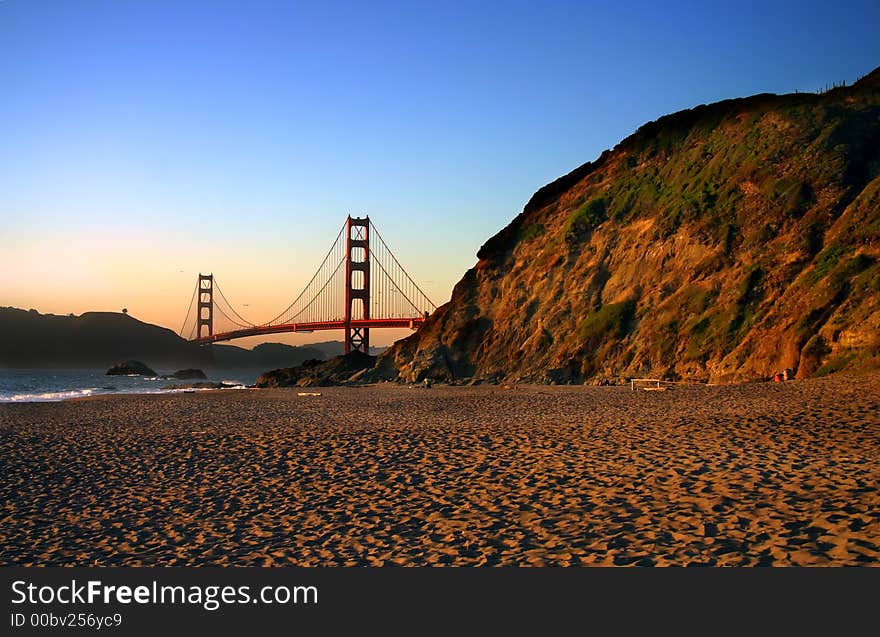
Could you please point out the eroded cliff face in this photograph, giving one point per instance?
(722, 243)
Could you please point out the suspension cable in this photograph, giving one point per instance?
(394, 283)
(305, 289)
(318, 293)
(223, 296)
(186, 318)
(234, 322)
(427, 298)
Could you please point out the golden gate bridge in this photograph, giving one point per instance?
(359, 286)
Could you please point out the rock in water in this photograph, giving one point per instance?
(207, 385)
(336, 371)
(187, 374)
(130, 368)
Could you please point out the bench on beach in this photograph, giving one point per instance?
(649, 384)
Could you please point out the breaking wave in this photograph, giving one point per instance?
(48, 396)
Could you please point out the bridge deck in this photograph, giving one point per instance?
(410, 323)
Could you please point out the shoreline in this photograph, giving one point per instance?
(186, 388)
(746, 474)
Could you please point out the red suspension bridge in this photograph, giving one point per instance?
(359, 286)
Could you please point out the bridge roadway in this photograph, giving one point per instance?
(411, 323)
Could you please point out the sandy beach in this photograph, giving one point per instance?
(758, 474)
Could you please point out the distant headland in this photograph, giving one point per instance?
(101, 339)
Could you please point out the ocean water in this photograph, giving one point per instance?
(45, 385)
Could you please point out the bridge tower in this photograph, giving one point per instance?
(206, 304)
(357, 282)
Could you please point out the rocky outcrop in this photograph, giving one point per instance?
(727, 242)
(348, 368)
(187, 374)
(204, 385)
(130, 368)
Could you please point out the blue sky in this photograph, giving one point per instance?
(142, 139)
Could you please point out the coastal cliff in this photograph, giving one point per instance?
(723, 243)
